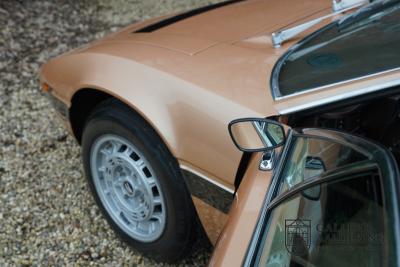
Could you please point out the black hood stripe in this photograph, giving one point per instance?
(188, 14)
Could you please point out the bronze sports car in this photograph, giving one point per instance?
(150, 103)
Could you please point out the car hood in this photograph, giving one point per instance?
(194, 32)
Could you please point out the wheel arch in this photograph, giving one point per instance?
(194, 131)
(86, 99)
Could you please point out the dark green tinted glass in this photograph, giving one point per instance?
(338, 223)
(360, 47)
(311, 157)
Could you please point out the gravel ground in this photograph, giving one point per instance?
(47, 216)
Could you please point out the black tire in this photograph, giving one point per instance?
(113, 117)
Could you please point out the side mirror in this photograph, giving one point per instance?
(255, 135)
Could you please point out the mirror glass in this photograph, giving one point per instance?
(257, 134)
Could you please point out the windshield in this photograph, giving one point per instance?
(361, 44)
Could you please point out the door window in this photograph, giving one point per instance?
(333, 224)
(334, 202)
(310, 157)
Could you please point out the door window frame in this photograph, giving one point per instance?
(378, 158)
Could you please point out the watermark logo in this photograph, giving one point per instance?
(350, 234)
(297, 236)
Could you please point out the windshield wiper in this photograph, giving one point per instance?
(366, 12)
(339, 6)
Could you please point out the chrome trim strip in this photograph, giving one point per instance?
(208, 179)
(339, 97)
(278, 98)
(207, 192)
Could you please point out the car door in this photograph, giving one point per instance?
(333, 201)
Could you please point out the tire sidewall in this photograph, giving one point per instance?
(178, 203)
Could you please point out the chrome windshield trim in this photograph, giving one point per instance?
(274, 78)
(346, 95)
(281, 36)
(338, 5)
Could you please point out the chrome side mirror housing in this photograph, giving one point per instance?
(255, 135)
(267, 160)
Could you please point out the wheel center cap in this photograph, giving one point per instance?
(128, 188)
